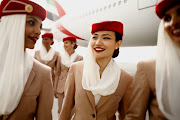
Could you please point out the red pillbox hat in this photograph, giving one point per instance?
(10, 7)
(69, 38)
(164, 5)
(115, 26)
(47, 34)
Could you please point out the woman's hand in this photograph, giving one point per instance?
(55, 94)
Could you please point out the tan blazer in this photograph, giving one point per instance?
(144, 94)
(51, 63)
(83, 100)
(37, 99)
(61, 74)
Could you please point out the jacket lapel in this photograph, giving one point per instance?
(102, 100)
(31, 77)
(28, 83)
(91, 98)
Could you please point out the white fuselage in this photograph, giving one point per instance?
(138, 16)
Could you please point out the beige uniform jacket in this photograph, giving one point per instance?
(61, 74)
(83, 100)
(144, 94)
(51, 63)
(37, 98)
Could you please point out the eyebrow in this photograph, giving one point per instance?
(106, 34)
(33, 18)
(103, 34)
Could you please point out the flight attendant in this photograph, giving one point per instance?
(26, 91)
(156, 83)
(47, 55)
(64, 62)
(98, 87)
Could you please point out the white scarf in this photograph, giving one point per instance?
(15, 64)
(91, 81)
(168, 75)
(66, 59)
(46, 56)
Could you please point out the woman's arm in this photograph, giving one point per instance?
(69, 93)
(45, 99)
(124, 104)
(57, 74)
(140, 96)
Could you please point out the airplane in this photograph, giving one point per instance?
(138, 16)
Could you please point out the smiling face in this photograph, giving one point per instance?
(69, 45)
(172, 23)
(103, 44)
(32, 30)
(47, 41)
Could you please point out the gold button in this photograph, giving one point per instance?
(29, 8)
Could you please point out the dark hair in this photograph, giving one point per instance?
(118, 37)
(52, 40)
(75, 46)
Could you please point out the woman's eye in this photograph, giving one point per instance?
(31, 22)
(167, 18)
(106, 38)
(94, 37)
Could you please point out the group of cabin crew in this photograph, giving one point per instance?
(94, 88)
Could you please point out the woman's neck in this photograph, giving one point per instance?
(102, 64)
(48, 48)
(70, 52)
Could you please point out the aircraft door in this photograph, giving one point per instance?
(143, 4)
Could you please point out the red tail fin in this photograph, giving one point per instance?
(60, 10)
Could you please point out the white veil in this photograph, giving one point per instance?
(168, 75)
(15, 64)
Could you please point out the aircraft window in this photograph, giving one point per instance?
(100, 9)
(105, 8)
(114, 5)
(125, 1)
(109, 6)
(89, 13)
(93, 12)
(119, 3)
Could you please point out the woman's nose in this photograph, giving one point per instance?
(37, 30)
(175, 21)
(98, 41)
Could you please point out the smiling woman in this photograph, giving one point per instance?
(32, 30)
(65, 60)
(47, 55)
(103, 86)
(25, 84)
(157, 83)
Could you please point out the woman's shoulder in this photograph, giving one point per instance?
(77, 64)
(37, 52)
(79, 56)
(40, 68)
(56, 53)
(147, 65)
(126, 75)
